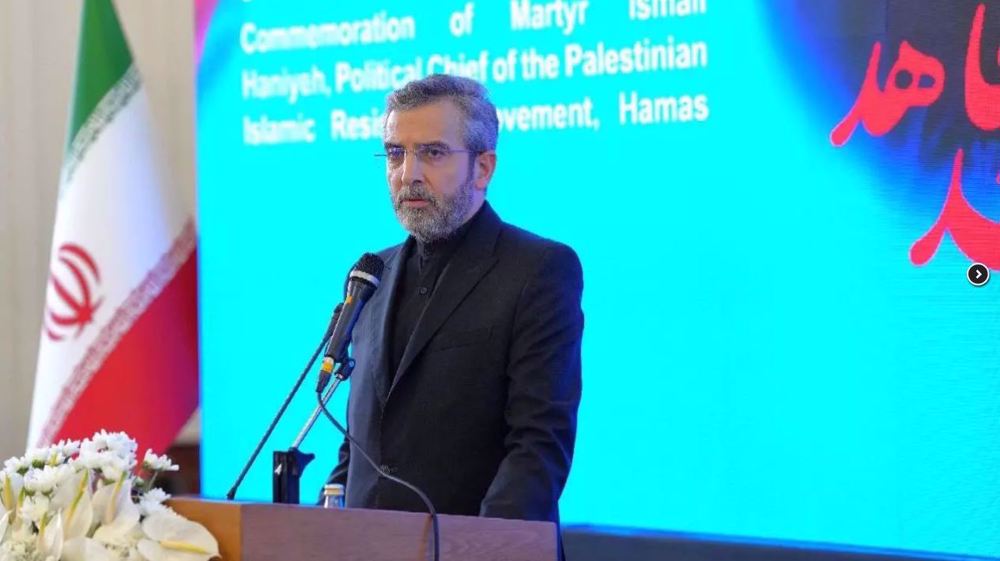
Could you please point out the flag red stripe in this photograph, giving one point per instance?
(148, 384)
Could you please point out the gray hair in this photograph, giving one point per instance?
(478, 112)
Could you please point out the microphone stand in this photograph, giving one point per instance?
(281, 411)
(289, 464)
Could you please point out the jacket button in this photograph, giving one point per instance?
(386, 468)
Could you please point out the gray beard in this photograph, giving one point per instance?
(438, 219)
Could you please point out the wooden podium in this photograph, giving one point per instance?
(277, 532)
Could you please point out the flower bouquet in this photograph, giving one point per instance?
(86, 501)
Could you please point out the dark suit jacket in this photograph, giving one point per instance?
(482, 412)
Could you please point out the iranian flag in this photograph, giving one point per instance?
(119, 347)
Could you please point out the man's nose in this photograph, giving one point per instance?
(412, 168)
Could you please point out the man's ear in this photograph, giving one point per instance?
(485, 165)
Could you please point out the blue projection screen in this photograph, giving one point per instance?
(775, 204)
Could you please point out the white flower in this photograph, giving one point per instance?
(171, 537)
(152, 502)
(77, 518)
(49, 544)
(110, 465)
(111, 499)
(71, 487)
(50, 455)
(68, 448)
(10, 489)
(121, 533)
(158, 495)
(117, 443)
(46, 479)
(34, 508)
(115, 469)
(151, 508)
(21, 530)
(118, 531)
(18, 466)
(93, 459)
(85, 549)
(152, 462)
(73, 501)
(38, 457)
(17, 549)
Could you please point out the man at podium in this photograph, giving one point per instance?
(467, 377)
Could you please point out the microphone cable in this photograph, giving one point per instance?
(410, 486)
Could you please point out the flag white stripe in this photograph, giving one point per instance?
(113, 101)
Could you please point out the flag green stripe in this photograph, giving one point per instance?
(102, 60)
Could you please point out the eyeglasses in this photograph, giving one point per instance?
(430, 154)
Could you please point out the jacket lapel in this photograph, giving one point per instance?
(380, 305)
(473, 259)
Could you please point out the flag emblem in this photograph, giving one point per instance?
(74, 281)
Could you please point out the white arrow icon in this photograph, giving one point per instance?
(978, 274)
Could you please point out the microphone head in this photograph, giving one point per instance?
(368, 268)
(371, 264)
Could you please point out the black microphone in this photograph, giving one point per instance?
(361, 284)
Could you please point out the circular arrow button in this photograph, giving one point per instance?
(978, 274)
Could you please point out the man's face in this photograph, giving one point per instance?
(435, 184)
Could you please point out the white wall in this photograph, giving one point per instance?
(38, 41)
